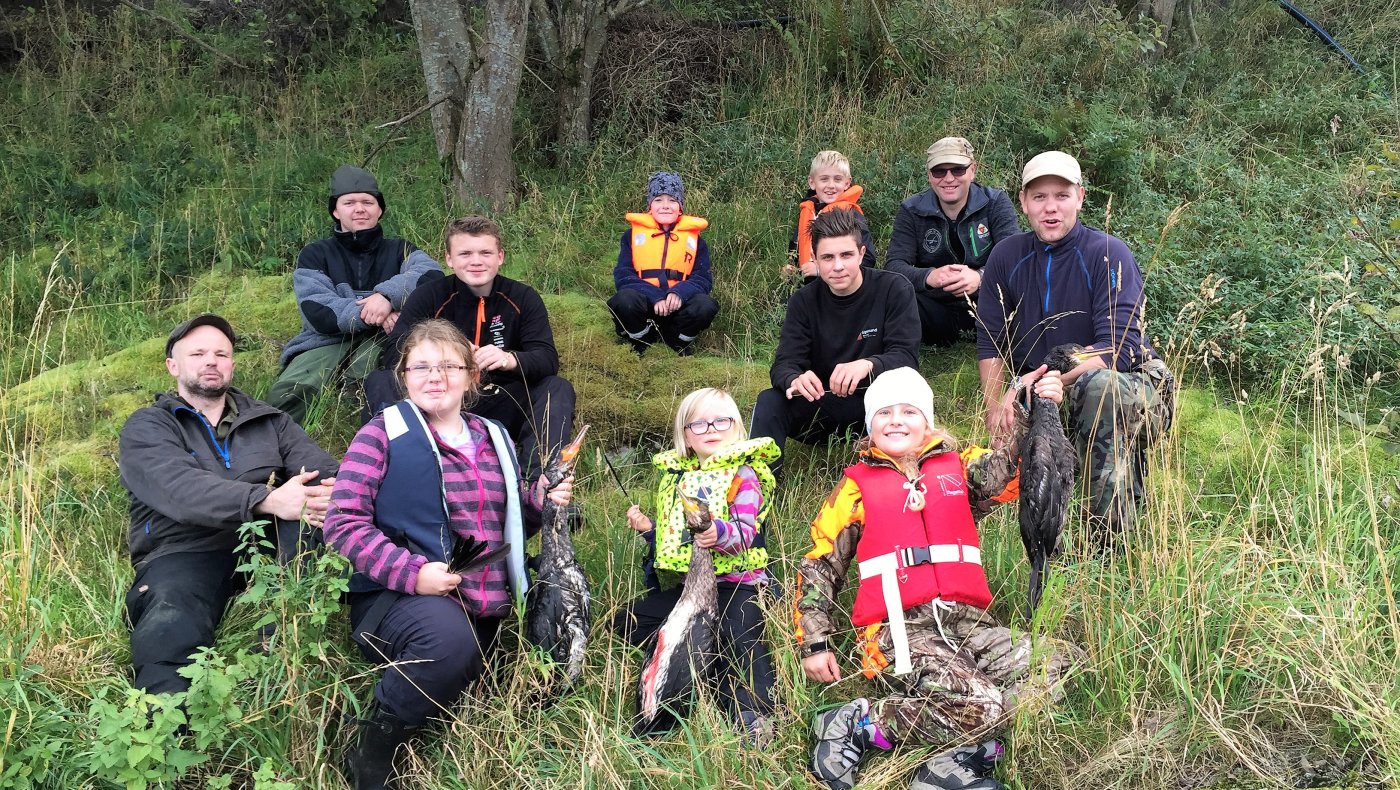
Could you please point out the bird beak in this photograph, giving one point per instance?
(570, 451)
(1086, 355)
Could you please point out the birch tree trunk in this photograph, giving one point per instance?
(473, 55)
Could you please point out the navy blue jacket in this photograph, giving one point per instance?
(920, 241)
(1085, 289)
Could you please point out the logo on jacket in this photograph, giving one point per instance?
(497, 328)
(866, 334)
(952, 485)
(982, 231)
(638, 239)
(933, 239)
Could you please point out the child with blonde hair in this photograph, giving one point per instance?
(713, 458)
(829, 186)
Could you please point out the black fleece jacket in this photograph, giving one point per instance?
(512, 318)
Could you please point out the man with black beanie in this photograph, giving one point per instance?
(349, 288)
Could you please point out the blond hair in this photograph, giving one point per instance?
(834, 159)
(445, 335)
(695, 402)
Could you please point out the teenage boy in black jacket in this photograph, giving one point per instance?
(507, 323)
(839, 334)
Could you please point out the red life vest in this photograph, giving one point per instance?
(935, 550)
(660, 257)
(808, 212)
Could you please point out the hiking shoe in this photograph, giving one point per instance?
(963, 768)
(841, 742)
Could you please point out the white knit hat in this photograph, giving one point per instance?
(901, 385)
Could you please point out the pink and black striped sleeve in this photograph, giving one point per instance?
(736, 534)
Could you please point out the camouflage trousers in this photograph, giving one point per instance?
(969, 676)
(1113, 418)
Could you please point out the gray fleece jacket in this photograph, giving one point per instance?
(332, 273)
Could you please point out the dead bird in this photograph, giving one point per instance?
(558, 612)
(684, 646)
(1048, 468)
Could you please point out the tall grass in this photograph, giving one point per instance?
(1246, 637)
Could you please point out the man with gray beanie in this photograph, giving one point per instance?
(349, 288)
(663, 272)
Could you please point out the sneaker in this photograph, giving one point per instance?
(841, 742)
(963, 768)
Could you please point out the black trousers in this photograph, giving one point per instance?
(631, 310)
(777, 417)
(441, 647)
(174, 606)
(744, 674)
(941, 323)
(544, 411)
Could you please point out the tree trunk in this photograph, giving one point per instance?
(1160, 11)
(485, 165)
(572, 35)
(446, 52)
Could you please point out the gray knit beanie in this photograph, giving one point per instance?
(665, 183)
(347, 179)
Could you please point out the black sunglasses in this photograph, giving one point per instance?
(957, 170)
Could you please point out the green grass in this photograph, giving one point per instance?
(1250, 625)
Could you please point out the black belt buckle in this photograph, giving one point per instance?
(916, 555)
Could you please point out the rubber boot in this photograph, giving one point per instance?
(370, 764)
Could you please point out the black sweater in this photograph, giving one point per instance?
(878, 322)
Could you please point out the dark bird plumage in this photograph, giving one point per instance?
(557, 605)
(1048, 468)
(684, 647)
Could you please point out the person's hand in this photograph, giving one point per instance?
(1049, 386)
(563, 491)
(847, 376)
(374, 309)
(318, 501)
(638, 520)
(666, 306)
(707, 538)
(822, 667)
(939, 276)
(390, 322)
(961, 280)
(288, 500)
(807, 385)
(809, 269)
(488, 357)
(435, 579)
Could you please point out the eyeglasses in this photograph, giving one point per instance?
(702, 427)
(446, 368)
(957, 170)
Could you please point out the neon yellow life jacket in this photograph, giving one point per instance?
(717, 477)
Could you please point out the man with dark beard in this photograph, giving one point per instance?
(198, 463)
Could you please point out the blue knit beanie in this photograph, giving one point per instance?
(665, 183)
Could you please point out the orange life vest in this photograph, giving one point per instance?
(664, 257)
(935, 551)
(808, 212)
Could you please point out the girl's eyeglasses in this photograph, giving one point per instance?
(957, 170)
(702, 427)
(446, 369)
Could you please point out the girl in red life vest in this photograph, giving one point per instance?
(904, 515)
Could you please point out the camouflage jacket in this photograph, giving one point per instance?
(991, 478)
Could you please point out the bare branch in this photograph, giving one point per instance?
(414, 114)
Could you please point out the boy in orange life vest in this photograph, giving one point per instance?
(905, 514)
(829, 186)
(663, 272)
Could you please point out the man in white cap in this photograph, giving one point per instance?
(943, 236)
(1065, 282)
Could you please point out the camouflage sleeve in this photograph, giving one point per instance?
(822, 572)
(993, 475)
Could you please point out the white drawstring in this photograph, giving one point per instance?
(915, 499)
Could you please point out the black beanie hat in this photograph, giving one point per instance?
(347, 179)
